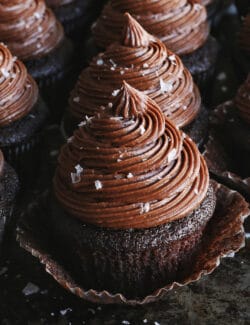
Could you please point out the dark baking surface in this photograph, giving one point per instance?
(28, 295)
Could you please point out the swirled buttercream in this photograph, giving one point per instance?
(28, 28)
(242, 100)
(244, 35)
(130, 167)
(180, 24)
(147, 65)
(18, 90)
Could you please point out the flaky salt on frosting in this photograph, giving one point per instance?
(147, 65)
(180, 24)
(244, 35)
(242, 100)
(29, 28)
(18, 90)
(130, 167)
(58, 3)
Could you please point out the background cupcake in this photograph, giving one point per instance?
(75, 16)
(33, 34)
(181, 25)
(8, 192)
(147, 65)
(129, 183)
(22, 112)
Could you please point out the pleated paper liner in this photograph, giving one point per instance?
(223, 236)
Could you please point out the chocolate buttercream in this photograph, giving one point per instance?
(242, 100)
(244, 36)
(147, 65)
(130, 167)
(18, 90)
(180, 24)
(29, 28)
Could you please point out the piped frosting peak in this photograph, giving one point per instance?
(130, 167)
(150, 68)
(18, 90)
(133, 33)
(180, 24)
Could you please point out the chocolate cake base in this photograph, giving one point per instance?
(9, 186)
(124, 260)
(20, 140)
(55, 74)
(201, 63)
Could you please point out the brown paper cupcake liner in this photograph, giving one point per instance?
(223, 236)
(218, 160)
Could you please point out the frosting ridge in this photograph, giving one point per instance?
(242, 100)
(147, 65)
(29, 28)
(130, 167)
(180, 24)
(18, 90)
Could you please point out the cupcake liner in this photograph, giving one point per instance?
(223, 236)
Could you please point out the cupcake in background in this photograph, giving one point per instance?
(181, 25)
(75, 16)
(232, 122)
(32, 33)
(133, 198)
(9, 186)
(22, 112)
(144, 62)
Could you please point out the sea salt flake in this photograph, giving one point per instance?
(145, 320)
(224, 88)
(115, 92)
(5, 72)
(196, 192)
(197, 7)
(145, 207)
(40, 29)
(76, 99)
(112, 68)
(125, 322)
(91, 310)
(99, 62)
(145, 65)
(122, 72)
(78, 169)
(165, 86)
(110, 105)
(70, 139)
(65, 311)
(172, 57)
(30, 289)
(112, 62)
(171, 155)
(75, 178)
(82, 123)
(142, 130)
(156, 323)
(37, 15)
(98, 185)
(130, 175)
(184, 107)
(221, 76)
(38, 45)
(99, 308)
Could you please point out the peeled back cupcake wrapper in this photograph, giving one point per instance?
(223, 236)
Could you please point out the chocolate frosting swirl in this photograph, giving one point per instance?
(29, 28)
(18, 90)
(180, 24)
(244, 36)
(242, 100)
(130, 167)
(147, 65)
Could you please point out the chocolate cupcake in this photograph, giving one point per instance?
(33, 34)
(232, 122)
(147, 65)
(22, 112)
(75, 16)
(181, 25)
(8, 191)
(132, 198)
